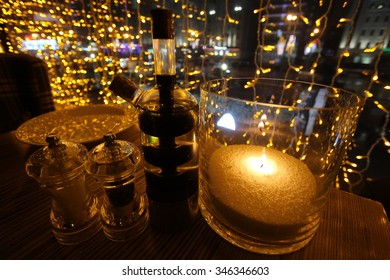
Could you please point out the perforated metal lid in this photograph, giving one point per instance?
(58, 161)
(113, 159)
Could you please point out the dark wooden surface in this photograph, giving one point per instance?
(352, 228)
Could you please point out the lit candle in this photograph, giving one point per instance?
(260, 190)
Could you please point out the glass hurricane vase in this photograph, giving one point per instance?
(270, 151)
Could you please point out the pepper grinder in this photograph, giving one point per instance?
(59, 169)
(124, 213)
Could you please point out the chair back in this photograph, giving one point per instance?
(25, 90)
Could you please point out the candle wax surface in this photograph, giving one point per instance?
(261, 184)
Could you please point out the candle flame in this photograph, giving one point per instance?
(263, 159)
(261, 165)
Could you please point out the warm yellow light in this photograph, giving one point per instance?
(291, 17)
(261, 164)
(305, 19)
(368, 93)
(370, 50)
(380, 106)
(265, 70)
(297, 69)
(353, 164)
(346, 53)
(268, 48)
(345, 20)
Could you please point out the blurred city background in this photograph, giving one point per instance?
(342, 43)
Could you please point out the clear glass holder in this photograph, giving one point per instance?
(270, 151)
(74, 214)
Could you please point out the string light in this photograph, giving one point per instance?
(258, 56)
(384, 131)
(290, 66)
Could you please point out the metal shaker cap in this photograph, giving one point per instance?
(56, 162)
(113, 160)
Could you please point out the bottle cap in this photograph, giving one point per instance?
(162, 24)
(113, 160)
(56, 162)
(123, 87)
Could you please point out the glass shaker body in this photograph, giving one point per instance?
(124, 213)
(59, 169)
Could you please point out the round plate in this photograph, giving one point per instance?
(82, 124)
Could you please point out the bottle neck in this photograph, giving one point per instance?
(164, 56)
(126, 89)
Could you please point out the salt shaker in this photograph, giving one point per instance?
(59, 169)
(124, 212)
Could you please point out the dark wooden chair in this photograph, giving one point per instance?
(25, 90)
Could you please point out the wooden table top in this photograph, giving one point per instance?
(353, 227)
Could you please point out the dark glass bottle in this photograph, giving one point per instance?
(168, 120)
